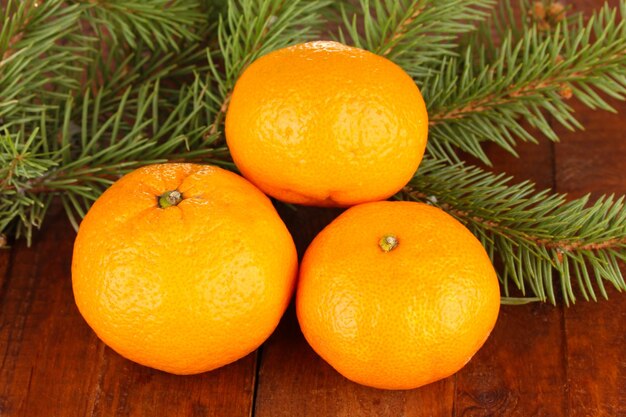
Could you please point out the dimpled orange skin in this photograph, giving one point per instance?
(187, 288)
(399, 319)
(326, 124)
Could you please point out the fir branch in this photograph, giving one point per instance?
(177, 55)
(121, 75)
(77, 161)
(531, 233)
(416, 34)
(472, 100)
(37, 69)
(21, 160)
(78, 110)
(250, 29)
(118, 71)
(159, 24)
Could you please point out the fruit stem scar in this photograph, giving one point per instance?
(388, 243)
(170, 198)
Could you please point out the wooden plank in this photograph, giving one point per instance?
(520, 370)
(127, 389)
(49, 357)
(54, 365)
(5, 267)
(594, 161)
(526, 369)
(596, 348)
(534, 162)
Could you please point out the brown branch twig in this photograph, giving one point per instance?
(219, 116)
(400, 30)
(490, 102)
(5, 182)
(514, 92)
(18, 35)
(37, 185)
(561, 246)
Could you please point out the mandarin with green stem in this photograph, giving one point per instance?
(183, 267)
(396, 295)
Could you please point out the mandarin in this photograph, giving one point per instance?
(183, 267)
(325, 124)
(396, 295)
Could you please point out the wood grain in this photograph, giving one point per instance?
(594, 161)
(127, 389)
(596, 352)
(49, 357)
(595, 332)
(521, 369)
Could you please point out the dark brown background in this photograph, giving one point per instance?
(540, 360)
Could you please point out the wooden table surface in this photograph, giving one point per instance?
(540, 360)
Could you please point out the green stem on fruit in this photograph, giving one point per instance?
(388, 243)
(170, 198)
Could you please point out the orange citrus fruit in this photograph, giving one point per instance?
(326, 124)
(183, 267)
(396, 295)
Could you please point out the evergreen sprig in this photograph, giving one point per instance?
(158, 24)
(90, 90)
(80, 159)
(251, 29)
(416, 34)
(532, 234)
(486, 93)
(37, 66)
